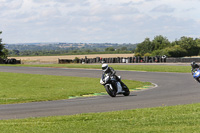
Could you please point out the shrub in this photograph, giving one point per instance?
(175, 51)
(137, 54)
(147, 54)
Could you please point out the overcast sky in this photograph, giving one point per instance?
(97, 21)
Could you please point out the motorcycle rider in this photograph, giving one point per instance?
(194, 68)
(111, 72)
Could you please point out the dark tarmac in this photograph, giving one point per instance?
(172, 89)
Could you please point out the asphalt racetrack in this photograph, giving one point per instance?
(172, 89)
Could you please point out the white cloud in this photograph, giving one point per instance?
(10, 4)
(97, 20)
(163, 9)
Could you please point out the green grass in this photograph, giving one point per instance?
(19, 88)
(148, 68)
(174, 119)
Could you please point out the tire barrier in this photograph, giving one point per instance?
(10, 61)
(64, 61)
(133, 59)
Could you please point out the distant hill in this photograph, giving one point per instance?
(63, 48)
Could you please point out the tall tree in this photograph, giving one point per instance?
(197, 40)
(144, 47)
(160, 42)
(190, 45)
(0, 38)
(3, 51)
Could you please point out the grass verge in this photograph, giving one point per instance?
(148, 68)
(179, 119)
(20, 88)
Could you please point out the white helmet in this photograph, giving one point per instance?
(105, 67)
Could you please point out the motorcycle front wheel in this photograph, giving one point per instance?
(127, 92)
(111, 92)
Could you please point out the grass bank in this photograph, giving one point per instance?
(148, 68)
(176, 119)
(20, 88)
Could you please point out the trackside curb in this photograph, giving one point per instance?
(146, 87)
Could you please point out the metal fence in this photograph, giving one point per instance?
(182, 60)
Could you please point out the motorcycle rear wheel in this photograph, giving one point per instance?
(110, 92)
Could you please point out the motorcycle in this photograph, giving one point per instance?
(113, 86)
(196, 75)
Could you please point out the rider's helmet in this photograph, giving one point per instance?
(105, 67)
(193, 63)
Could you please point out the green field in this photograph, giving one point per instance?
(19, 88)
(148, 68)
(174, 119)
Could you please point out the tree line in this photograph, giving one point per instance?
(159, 46)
